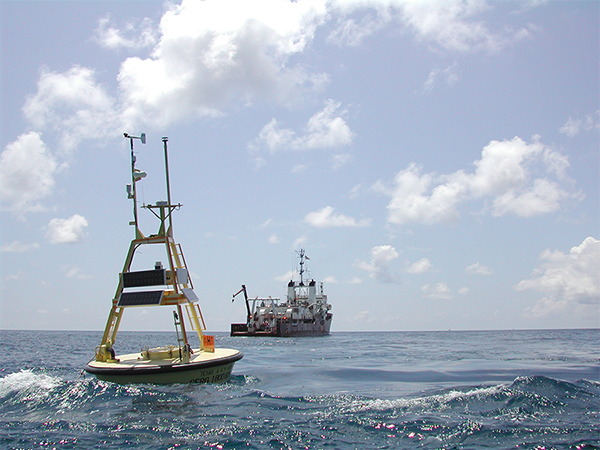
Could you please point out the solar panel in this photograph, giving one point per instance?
(140, 278)
(190, 295)
(145, 298)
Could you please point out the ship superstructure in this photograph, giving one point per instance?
(304, 312)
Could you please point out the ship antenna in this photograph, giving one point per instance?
(301, 254)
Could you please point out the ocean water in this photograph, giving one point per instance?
(401, 390)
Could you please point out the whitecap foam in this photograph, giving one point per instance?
(28, 382)
(437, 401)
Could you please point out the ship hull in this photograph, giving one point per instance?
(204, 367)
(284, 329)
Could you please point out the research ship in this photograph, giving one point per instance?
(170, 287)
(304, 312)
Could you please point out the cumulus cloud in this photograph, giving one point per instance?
(505, 176)
(478, 269)
(73, 104)
(326, 129)
(213, 52)
(438, 291)
(567, 279)
(64, 231)
(27, 171)
(421, 266)
(209, 53)
(379, 265)
(325, 217)
(205, 55)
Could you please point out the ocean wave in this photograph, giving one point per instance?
(238, 414)
(29, 385)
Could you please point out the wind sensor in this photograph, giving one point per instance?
(136, 175)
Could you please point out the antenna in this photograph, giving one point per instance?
(301, 255)
(165, 140)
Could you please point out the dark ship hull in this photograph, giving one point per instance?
(285, 329)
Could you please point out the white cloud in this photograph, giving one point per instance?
(325, 218)
(545, 307)
(378, 268)
(213, 52)
(567, 279)
(416, 199)
(274, 239)
(543, 197)
(573, 127)
(27, 170)
(505, 174)
(206, 54)
(450, 74)
(478, 269)
(74, 104)
(17, 247)
(209, 53)
(438, 291)
(352, 31)
(62, 231)
(134, 36)
(421, 266)
(325, 129)
(464, 290)
(449, 25)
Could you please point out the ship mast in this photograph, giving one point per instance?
(301, 254)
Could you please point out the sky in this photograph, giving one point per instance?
(437, 160)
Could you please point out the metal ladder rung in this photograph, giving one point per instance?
(178, 329)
